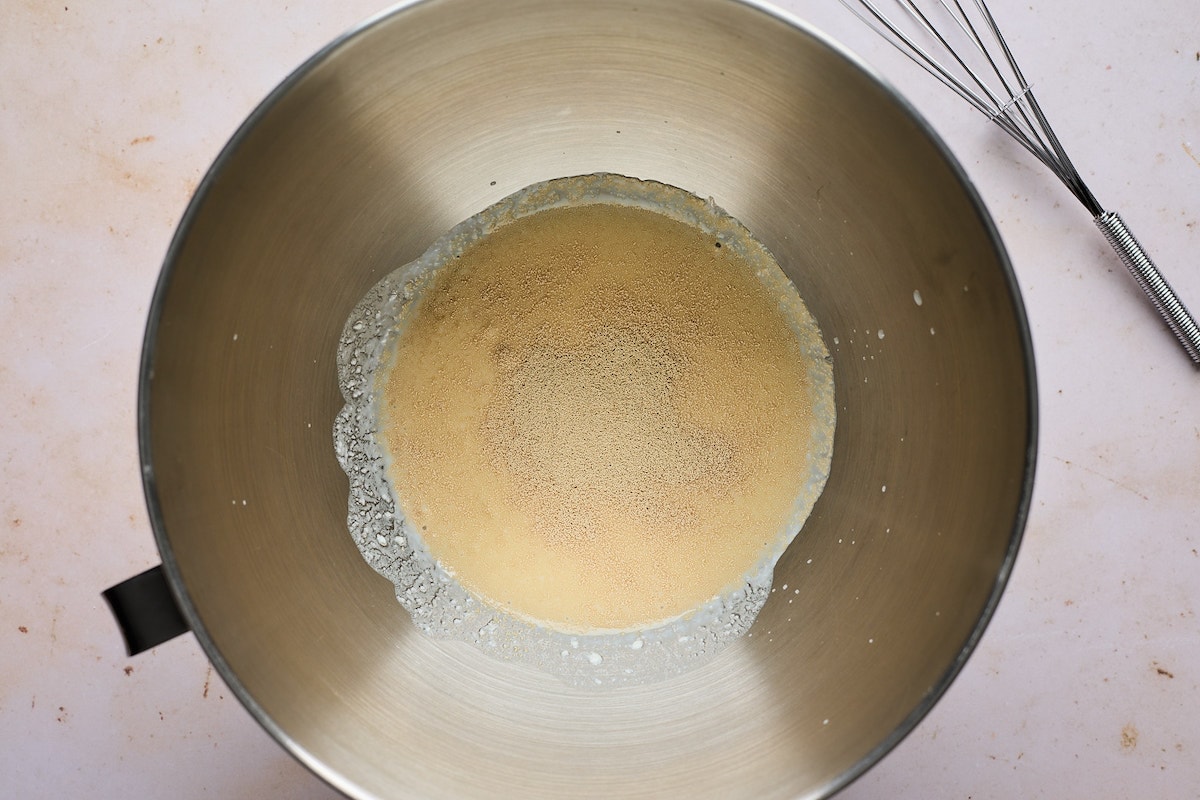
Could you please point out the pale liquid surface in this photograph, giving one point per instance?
(596, 418)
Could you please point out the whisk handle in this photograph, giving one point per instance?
(1161, 295)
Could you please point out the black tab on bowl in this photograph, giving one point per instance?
(145, 610)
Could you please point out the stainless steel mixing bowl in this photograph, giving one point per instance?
(428, 114)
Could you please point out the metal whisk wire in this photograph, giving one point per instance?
(985, 74)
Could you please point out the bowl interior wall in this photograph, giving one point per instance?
(424, 119)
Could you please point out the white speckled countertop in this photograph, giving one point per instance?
(1087, 682)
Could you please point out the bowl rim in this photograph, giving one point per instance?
(343, 783)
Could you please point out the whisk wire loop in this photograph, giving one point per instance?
(984, 72)
(994, 85)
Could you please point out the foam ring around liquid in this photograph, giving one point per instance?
(390, 543)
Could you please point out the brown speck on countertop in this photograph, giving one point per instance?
(1102, 476)
(129, 670)
(22, 629)
(141, 140)
(1163, 671)
(1191, 155)
(16, 522)
(1129, 737)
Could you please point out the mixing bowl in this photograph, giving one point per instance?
(421, 118)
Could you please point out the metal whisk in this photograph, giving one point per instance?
(959, 43)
